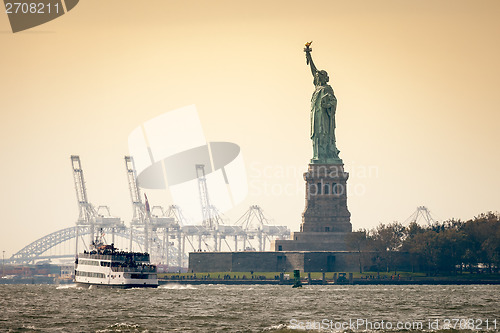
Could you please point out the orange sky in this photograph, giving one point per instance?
(416, 82)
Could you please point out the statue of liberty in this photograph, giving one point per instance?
(323, 107)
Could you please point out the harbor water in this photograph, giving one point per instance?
(237, 308)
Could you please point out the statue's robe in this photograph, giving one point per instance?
(323, 107)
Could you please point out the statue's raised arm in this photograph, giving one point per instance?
(309, 59)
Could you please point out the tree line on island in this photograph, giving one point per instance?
(449, 247)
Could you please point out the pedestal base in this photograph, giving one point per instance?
(313, 241)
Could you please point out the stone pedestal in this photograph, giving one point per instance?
(326, 199)
(326, 221)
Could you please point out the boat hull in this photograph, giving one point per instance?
(118, 286)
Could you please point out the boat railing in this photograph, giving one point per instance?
(138, 269)
(100, 256)
(114, 257)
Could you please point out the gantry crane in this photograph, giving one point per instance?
(140, 219)
(422, 212)
(256, 225)
(150, 219)
(88, 215)
(210, 215)
(87, 212)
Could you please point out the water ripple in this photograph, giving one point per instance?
(219, 308)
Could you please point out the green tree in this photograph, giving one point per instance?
(358, 241)
(451, 247)
(385, 241)
(409, 244)
(482, 241)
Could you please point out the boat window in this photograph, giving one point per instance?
(90, 274)
(88, 262)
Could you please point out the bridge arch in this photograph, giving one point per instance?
(35, 250)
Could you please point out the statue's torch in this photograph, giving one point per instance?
(308, 50)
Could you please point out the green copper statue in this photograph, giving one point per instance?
(323, 107)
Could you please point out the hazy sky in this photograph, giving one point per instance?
(416, 81)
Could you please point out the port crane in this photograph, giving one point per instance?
(152, 220)
(422, 213)
(89, 216)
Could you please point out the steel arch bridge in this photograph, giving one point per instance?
(35, 250)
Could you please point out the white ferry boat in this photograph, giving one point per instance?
(105, 266)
